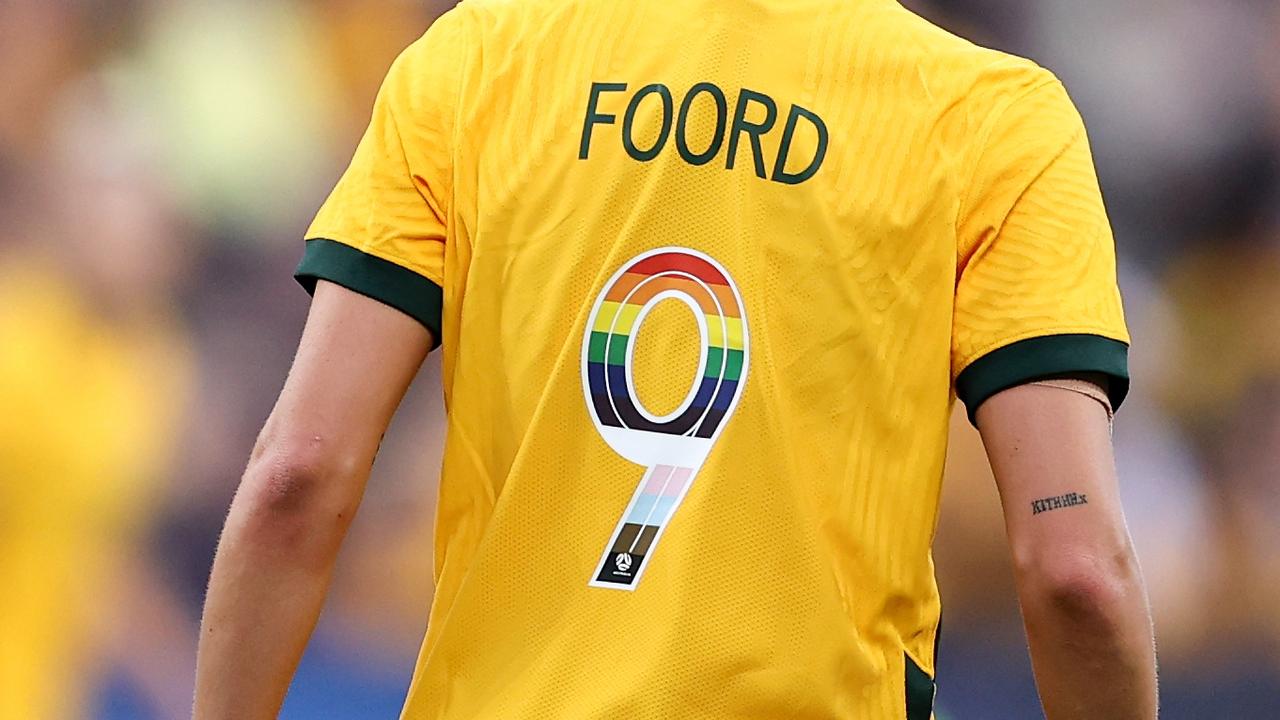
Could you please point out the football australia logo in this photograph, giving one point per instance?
(622, 562)
(673, 447)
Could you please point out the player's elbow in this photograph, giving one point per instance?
(1084, 587)
(300, 487)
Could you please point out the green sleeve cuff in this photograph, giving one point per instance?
(1042, 358)
(920, 691)
(371, 276)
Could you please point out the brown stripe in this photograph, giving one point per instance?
(626, 538)
(646, 539)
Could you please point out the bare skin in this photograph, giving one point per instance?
(302, 487)
(1083, 600)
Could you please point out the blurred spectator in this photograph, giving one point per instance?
(94, 375)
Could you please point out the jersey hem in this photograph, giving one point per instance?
(1041, 358)
(376, 278)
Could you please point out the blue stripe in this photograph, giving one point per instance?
(617, 380)
(724, 397)
(705, 389)
(662, 513)
(640, 511)
(595, 377)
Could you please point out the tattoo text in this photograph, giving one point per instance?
(1057, 503)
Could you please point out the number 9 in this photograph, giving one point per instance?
(673, 447)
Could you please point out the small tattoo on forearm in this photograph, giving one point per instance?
(1059, 502)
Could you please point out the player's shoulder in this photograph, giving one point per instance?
(956, 66)
(497, 23)
(507, 12)
(470, 25)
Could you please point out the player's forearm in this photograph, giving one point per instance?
(1089, 628)
(266, 591)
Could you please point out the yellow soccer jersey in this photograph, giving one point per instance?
(707, 277)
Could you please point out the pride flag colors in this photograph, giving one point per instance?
(615, 322)
(672, 447)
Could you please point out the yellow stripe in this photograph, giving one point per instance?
(625, 316)
(717, 332)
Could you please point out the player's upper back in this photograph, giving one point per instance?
(584, 128)
(861, 102)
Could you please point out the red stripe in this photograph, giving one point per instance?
(695, 266)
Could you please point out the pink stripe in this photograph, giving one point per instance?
(679, 482)
(657, 479)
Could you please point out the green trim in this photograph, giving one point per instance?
(1041, 358)
(371, 276)
(920, 691)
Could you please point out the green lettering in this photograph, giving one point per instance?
(628, 122)
(722, 118)
(780, 173)
(753, 130)
(593, 117)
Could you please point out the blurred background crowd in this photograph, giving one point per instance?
(159, 160)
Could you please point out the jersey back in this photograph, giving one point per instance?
(708, 277)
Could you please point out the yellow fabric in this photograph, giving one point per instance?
(955, 212)
(1036, 252)
(86, 417)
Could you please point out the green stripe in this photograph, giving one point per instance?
(601, 349)
(596, 346)
(715, 358)
(618, 349)
(1042, 358)
(734, 370)
(369, 275)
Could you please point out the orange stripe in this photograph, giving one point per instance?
(629, 281)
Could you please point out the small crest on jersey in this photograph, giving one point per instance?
(623, 561)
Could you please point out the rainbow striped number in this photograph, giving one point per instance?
(673, 447)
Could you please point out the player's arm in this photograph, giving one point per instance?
(1083, 600)
(375, 259)
(303, 484)
(1036, 300)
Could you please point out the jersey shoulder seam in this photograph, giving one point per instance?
(997, 113)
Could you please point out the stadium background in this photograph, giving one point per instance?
(160, 158)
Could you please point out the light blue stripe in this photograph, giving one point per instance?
(663, 511)
(640, 511)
